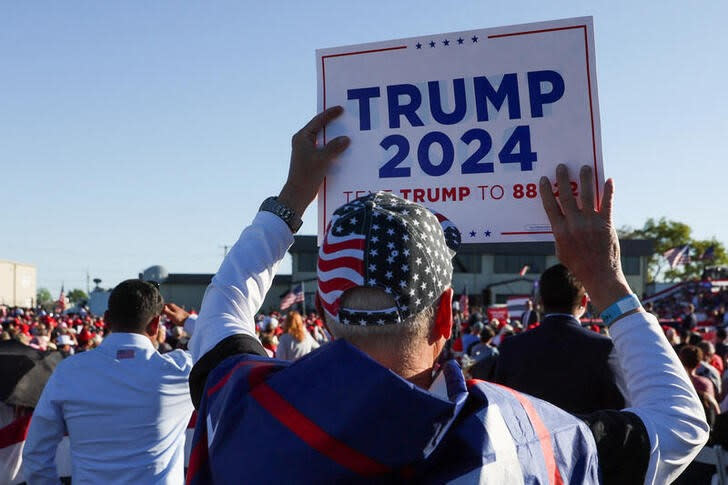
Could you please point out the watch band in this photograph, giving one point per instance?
(620, 307)
(288, 215)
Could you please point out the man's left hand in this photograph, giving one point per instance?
(175, 313)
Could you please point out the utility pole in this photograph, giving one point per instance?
(225, 248)
(88, 283)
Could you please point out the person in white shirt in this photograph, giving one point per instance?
(124, 406)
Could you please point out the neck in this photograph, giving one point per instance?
(415, 367)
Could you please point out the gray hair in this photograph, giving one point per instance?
(395, 338)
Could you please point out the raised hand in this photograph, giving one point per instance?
(175, 313)
(309, 163)
(586, 240)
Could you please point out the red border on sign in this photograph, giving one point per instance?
(323, 78)
(494, 36)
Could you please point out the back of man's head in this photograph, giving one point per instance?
(486, 335)
(690, 356)
(707, 348)
(132, 305)
(560, 291)
(383, 266)
(721, 334)
(401, 338)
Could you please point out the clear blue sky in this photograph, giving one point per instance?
(138, 133)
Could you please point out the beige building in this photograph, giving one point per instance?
(188, 289)
(489, 272)
(17, 284)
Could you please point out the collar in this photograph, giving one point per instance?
(448, 385)
(124, 339)
(561, 316)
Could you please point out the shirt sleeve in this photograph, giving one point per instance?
(661, 396)
(189, 324)
(239, 287)
(47, 428)
(282, 349)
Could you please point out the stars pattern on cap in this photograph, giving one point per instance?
(407, 255)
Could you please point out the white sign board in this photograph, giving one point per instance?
(465, 123)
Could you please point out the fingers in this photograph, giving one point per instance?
(321, 120)
(607, 200)
(553, 211)
(587, 188)
(335, 147)
(565, 196)
(170, 308)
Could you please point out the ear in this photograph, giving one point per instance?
(322, 315)
(443, 319)
(153, 326)
(584, 300)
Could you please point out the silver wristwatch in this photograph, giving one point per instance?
(288, 215)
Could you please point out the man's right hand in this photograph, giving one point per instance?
(586, 240)
(309, 163)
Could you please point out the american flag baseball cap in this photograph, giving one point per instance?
(386, 242)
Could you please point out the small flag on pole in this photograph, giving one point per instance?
(465, 303)
(676, 256)
(62, 299)
(708, 254)
(292, 297)
(524, 270)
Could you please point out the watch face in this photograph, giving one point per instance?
(284, 212)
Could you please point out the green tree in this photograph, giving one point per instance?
(697, 264)
(666, 234)
(43, 297)
(671, 234)
(77, 296)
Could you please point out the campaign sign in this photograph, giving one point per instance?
(465, 123)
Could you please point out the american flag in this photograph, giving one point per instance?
(678, 255)
(62, 299)
(340, 267)
(292, 297)
(708, 254)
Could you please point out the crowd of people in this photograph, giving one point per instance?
(387, 382)
(475, 341)
(695, 307)
(71, 333)
(693, 303)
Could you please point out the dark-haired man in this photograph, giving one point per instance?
(560, 361)
(124, 406)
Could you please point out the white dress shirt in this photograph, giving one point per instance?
(125, 408)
